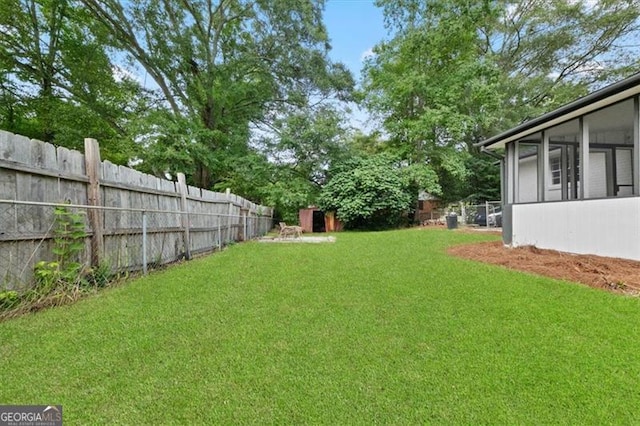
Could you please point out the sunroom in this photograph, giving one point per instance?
(571, 178)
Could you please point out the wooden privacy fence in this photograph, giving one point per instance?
(132, 218)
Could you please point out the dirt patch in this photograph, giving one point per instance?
(297, 240)
(612, 274)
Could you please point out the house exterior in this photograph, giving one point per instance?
(571, 177)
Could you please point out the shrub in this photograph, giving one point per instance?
(368, 193)
(8, 299)
(64, 272)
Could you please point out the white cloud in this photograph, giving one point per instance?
(367, 54)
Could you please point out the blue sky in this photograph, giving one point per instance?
(354, 27)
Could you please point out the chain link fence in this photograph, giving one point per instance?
(131, 239)
(488, 214)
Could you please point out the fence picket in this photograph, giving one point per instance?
(34, 172)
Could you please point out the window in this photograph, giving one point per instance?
(554, 166)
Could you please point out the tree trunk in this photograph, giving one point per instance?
(46, 119)
(202, 176)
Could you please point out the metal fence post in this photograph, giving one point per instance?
(486, 212)
(184, 217)
(144, 242)
(244, 226)
(229, 212)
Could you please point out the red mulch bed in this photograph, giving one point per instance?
(612, 274)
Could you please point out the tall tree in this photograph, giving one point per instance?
(430, 86)
(309, 141)
(551, 52)
(56, 79)
(224, 67)
(292, 161)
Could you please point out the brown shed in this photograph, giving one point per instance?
(315, 220)
(429, 207)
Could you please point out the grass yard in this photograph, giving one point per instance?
(376, 328)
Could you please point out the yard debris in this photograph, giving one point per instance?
(612, 274)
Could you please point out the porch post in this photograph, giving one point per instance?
(584, 157)
(516, 172)
(508, 193)
(543, 166)
(503, 181)
(509, 178)
(636, 145)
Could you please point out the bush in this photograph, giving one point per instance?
(368, 193)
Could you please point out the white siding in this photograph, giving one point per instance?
(623, 166)
(552, 192)
(605, 227)
(528, 180)
(597, 175)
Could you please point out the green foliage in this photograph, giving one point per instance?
(309, 141)
(555, 51)
(220, 68)
(483, 183)
(9, 299)
(432, 90)
(65, 272)
(374, 192)
(290, 164)
(61, 279)
(178, 86)
(48, 276)
(57, 81)
(276, 185)
(99, 276)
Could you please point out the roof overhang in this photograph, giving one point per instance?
(599, 99)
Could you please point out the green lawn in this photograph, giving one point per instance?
(376, 328)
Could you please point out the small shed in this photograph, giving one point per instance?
(429, 207)
(313, 219)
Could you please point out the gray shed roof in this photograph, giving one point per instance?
(606, 96)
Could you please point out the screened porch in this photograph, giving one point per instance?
(571, 178)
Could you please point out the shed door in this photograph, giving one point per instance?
(318, 221)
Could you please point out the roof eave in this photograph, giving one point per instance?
(594, 101)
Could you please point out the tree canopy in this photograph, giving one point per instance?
(243, 93)
(56, 78)
(223, 67)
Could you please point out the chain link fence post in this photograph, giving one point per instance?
(144, 242)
